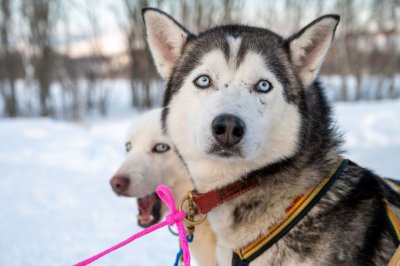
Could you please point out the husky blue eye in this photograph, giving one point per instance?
(263, 86)
(128, 146)
(202, 82)
(160, 148)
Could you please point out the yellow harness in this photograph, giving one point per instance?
(394, 223)
(295, 212)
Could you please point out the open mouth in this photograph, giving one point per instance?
(149, 210)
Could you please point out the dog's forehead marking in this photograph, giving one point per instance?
(234, 46)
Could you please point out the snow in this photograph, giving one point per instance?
(372, 134)
(56, 205)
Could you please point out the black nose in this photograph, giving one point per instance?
(228, 129)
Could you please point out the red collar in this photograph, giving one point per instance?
(209, 200)
(205, 202)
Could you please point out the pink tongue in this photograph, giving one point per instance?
(145, 208)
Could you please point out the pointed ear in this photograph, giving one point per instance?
(165, 37)
(309, 46)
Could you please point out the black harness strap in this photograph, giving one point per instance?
(236, 261)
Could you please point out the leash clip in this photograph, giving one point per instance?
(189, 219)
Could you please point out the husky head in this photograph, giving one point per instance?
(150, 161)
(235, 99)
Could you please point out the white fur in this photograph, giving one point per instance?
(234, 46)
(319, 36)
(271, 123)
(146, 170)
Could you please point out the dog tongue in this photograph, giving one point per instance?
(145, 208)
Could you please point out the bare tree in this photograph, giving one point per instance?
(141, 69)
(67, 75)
(8, 73)
(41, 17)
(96, 91)
(388, 19)
(200, 15)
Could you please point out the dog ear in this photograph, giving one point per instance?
(165, 37)
(309, 46)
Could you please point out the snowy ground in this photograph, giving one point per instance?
(56, 206)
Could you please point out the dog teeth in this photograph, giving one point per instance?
(145, 219)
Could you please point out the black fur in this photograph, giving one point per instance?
(244, 208)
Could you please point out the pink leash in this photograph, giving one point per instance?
(174, 217)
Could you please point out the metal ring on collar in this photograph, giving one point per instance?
(189, 219)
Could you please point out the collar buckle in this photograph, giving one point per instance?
(192, 212)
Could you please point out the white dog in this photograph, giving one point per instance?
(151, 161)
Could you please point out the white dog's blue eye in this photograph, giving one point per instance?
(128, 146)
(263, 86)
(160, 148)
(202, 82)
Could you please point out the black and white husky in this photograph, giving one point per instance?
(242, 101)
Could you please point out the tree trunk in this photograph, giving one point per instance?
(9, 64)
(43, 76)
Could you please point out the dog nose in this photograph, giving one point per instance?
(228, 129)
(119, 184)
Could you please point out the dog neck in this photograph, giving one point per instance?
(246, 218)
(211, 199)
